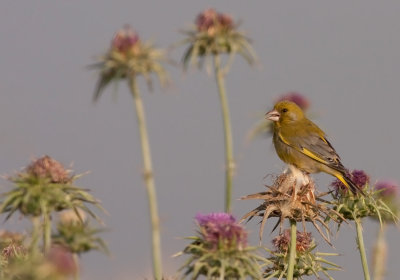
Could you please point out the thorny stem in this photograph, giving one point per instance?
(292, 249)
(149, 179)
(361, 247)
(46, 232)
(379, 256)
(35, 235)
(229, 161)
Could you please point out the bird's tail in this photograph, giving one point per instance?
(346, 180)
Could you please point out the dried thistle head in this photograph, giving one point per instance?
(215, 33)
(8, 237)
(128, 57)
(220, 250)
(286, 199)
(307, 261)
(12, 249)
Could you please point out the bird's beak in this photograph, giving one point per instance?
(272, 115)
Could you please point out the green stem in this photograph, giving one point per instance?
(35, 236)
(292, 249)
(361, 247)
(46, 232)
(76, 262)
(229, 161)
(379, 255)
(149, 179)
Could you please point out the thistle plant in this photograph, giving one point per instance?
(11, 248)
(357, 207)
(128, 58)
(44, 187)
(76, 235)
(389, 193)
(306, 261)
(287, 200)
(214, 35)
(58, 264)
(220, 250)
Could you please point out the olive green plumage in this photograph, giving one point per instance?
(301, 143)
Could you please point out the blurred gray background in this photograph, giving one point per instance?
(343, 55)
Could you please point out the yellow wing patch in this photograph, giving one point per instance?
(340, 177)
(323, 139)
(313, 156)
(306, 151)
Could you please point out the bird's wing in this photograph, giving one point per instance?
(314, 145)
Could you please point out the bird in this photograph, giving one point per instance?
(303, 145)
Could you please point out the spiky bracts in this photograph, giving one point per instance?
(220, 250)
(43, 187)
(127, 58)
(373, 204)
(215, 33)
(285, 199)
(307, 262)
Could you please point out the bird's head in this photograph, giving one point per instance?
(285, 111)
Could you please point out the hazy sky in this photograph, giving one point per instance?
(343, 55)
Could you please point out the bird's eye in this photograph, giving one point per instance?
(284, 110)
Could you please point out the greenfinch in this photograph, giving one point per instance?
(303, 145)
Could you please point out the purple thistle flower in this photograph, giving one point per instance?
(359, 178)
(206, 19)
(389, 189)
(225, 20)
(48, 168)
(297, 98)
(125, 39)
(221, 229)
(210, 19)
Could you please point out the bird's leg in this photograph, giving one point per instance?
(300, 180)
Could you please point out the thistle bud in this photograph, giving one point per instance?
(303, 241)
(71, 217)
